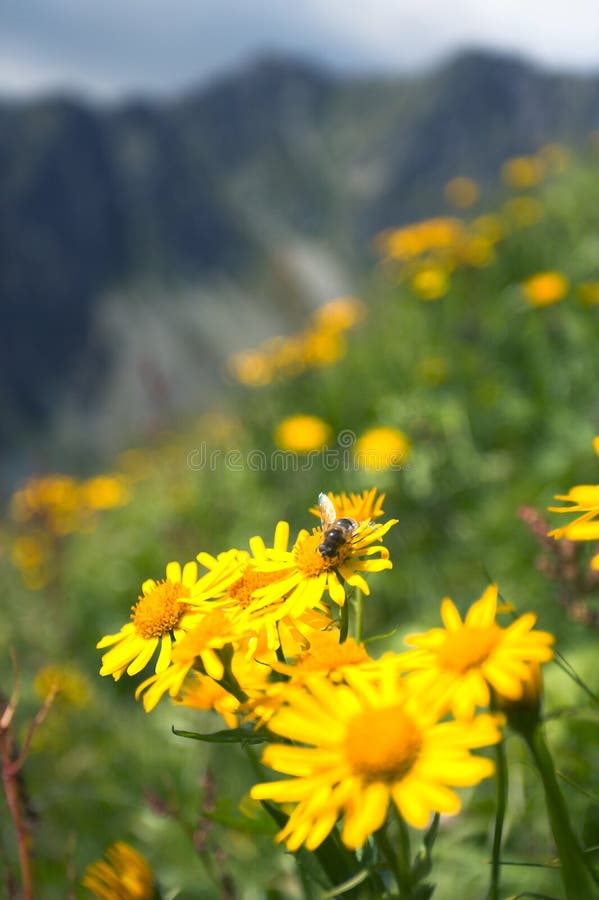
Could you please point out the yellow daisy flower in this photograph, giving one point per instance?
(325, 656)
(265, 626)
(545, 288)
(213, 631)
(302, 433)
(382, 448)
(462, 662)
(163, 614)
(305, 574)
(584, 499)
(124, 876)
(361, 507)
(202, 692)
(371, 743)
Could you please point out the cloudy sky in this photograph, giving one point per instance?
(109, 48)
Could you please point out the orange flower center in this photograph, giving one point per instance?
(308, 559)
(391, 755)
(468, 647)
(251, 580)
(327, 657)
(159, 612)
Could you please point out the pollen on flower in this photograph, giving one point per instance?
(395, 750)
(307, 558)
(468, 647)
(159, 611)
(251, 580)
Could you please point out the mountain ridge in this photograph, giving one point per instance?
(216, 185)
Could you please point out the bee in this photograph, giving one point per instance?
(336, 533)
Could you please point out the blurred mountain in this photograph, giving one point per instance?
(140, 244)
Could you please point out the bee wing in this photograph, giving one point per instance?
(328, 513)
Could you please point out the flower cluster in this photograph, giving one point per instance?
(322, 343)
(261, 637)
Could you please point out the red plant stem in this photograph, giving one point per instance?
(10, 771)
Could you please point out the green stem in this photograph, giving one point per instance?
(388, 854)
(359, 614)
(501, 781)
(405, 853)
(344, 623)
(578, 877)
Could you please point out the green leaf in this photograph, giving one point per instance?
(229, 736)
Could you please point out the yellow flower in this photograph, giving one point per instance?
(523, 172)
(251, 367)
(30, 551)
(545, 288)
(105, 492)
(489, 226)
(430, 283)
(339, 314)
(323, 347)
(461, 192)
(202, 692)
(371, 743)
(213, 631)
(361, 507)
(71, 686)
(124, 876)
(161, 616)
(305, 574)
(462, 661)
(431, 235)
(302, 433)
(382, 448)
(584, 498)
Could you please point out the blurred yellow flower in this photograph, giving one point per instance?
(463, 661)
(523, 212)
(461, 192)
(430, 283)
(339, 314)
(489, 226)
(104, 492)
(588, 293)
(370, 744)
(124, 875)
(475, 251)
(30, 551)
(302, 433)
(71, 685)
(382, 448)
(545, 288)
(323, 347)
(412, 241)
(522, 172)
(250, 367)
